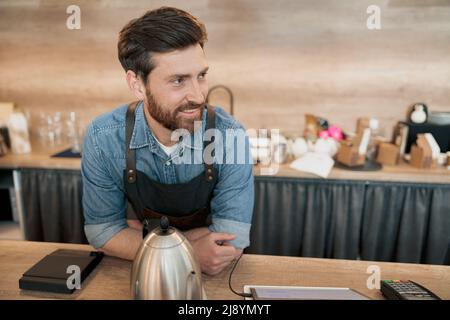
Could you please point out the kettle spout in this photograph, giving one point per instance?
(194, 290)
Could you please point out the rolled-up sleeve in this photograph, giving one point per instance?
(104, 203)
(233, 198)
(240, 229)
(99, 234)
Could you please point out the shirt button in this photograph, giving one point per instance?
(168, 163)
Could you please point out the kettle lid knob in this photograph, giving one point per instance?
(164, 224)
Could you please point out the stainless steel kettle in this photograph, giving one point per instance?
(165, 267)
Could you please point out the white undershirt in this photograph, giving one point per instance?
(167, 150)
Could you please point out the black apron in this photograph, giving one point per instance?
(186, 205)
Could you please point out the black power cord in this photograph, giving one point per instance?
(241, 294)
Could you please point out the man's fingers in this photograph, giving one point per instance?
(226, 252)
(221, 236)
(222, 261)
(224, 249)
(223, 265)
(217, 269)
(213, 251)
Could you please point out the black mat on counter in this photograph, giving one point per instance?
(51, 274)
(67, 154)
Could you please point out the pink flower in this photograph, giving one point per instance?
(324, 134)
(335, 132)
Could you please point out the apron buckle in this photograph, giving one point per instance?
(131, 176)
(209, 173)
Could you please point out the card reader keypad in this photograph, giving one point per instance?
(405, 290)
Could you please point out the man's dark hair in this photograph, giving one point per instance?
(161, 30)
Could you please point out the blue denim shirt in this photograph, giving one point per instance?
(103, 164)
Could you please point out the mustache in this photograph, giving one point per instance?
(190, 106)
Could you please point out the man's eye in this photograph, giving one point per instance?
(202, 75)
(178, 81)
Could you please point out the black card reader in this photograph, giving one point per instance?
(406, 290)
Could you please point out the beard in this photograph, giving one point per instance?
(173, 120)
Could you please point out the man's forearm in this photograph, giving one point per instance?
(196, 233)
(124, 244)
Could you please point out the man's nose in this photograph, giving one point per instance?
(195, 94)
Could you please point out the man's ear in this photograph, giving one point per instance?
(136, 85)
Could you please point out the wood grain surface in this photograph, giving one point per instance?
(281, 59)
(110, 280)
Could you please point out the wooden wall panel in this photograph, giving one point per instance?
(280, 58)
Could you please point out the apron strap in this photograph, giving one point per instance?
(210, 124)
(131, 153)
(131, 161)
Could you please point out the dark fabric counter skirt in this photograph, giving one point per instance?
(348, 219)
(52, 205)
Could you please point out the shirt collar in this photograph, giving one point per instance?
(142, 135)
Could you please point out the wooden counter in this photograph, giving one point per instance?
(40, 158)
(402, 172)
(110, 280)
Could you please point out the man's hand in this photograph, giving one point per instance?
(196, 233)
(211, 254)
(135, 224)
